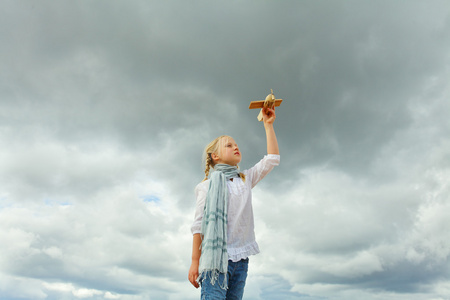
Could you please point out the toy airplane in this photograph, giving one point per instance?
(269, 102)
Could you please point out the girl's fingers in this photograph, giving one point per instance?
(269, 112)
(193, 281)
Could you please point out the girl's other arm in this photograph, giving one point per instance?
(272, 143)
(196, 252)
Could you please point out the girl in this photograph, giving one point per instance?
(223, 228)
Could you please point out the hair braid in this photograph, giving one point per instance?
(208, 166)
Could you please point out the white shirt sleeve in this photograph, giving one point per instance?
(200, 194)
(262, 168)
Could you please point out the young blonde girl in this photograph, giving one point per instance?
(223, 228)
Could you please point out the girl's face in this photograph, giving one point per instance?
(228, 152)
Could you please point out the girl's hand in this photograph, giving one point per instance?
(268, 115)
(193, 274)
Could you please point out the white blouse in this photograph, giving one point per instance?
(240, 229)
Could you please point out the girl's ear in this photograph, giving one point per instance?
(214, 157)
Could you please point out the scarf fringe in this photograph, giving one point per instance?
(213, 277)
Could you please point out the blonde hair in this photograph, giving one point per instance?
(214, 147)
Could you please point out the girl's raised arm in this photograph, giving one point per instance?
(268, 118)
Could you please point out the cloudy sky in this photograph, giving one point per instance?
(106, 106)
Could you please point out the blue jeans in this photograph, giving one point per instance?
(236, 276)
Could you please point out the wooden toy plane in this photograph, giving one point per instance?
(269, 102)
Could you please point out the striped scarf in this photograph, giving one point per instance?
(214, 255)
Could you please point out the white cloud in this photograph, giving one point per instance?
(109, 295)
(86, 293)
(61, 287)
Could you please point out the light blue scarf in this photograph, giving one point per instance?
(214, 255)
